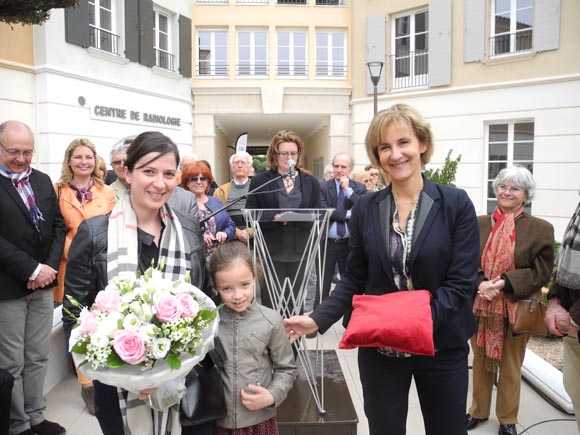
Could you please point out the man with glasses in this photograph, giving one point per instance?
(118, 156)
(31, 243)
(240, 164)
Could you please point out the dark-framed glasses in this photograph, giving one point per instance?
(117, 162)
(196, 179)
(15, 153)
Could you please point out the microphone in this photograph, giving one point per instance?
(292, 166)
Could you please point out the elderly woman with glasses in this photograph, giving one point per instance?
(197, 178)
(284, 186)
(516, 257)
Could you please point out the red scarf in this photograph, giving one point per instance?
(497, 258)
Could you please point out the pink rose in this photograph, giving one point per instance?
(89, 323)
(108, 300)
(168, 308)
(189, 306)
(129, 346)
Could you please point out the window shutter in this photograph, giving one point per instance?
(439, 42)
(376, 51)
(76, 24)
(147, 36)
(474, 33)
(185, 46)
(546, 25)
(132, 30)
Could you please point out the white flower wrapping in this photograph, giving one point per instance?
(144, 333)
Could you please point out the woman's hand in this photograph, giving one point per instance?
(489, 290)
(255, 397)
(208, 240)
(297, 326)
(221, 236)
(558, 319)
(144, 395)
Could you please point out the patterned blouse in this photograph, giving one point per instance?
(400, 249)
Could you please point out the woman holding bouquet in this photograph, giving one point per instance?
(140, 229)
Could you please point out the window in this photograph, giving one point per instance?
(291, 52)
(330, 2)
(511, 30)
(291, 2)
(101, 30)
(410, 61)
(212, 53)
(331, 53)
(509, 144)
(163, 57)
(252, 53)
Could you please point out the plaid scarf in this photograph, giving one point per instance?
(497, 258)
(21, 182)
(123, 262)
(83, 193)
(568, 274)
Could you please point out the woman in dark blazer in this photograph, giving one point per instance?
(414, 234)
(276, 189)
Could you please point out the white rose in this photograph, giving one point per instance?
(160, 347)
(99, 340)
(110, 324)
(131, 322)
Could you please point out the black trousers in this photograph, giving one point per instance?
(6, 384)
(441, 383)
(335, 254)
(109, 413)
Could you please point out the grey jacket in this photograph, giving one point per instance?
(256, 351)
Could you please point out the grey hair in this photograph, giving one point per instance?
(519, 177)
(241, 153)
(351, 164)
(122, 145)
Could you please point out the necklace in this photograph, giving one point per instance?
(399, 201)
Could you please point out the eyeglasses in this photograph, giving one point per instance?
(15, 153)
(240, 162)
(196, 179)
(512, 189)
(288, 154)
(373, 174)
(117, 162)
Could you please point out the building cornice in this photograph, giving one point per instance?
(16, 66)
(257, 90)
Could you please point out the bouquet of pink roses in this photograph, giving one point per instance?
(143, 332)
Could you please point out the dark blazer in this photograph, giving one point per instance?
(22, 248)
(285, 242)
(330, 198)
(444, 260)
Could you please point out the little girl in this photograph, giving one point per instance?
(259, 364)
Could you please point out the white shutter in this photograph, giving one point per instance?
(546, 25)
(474, 30)
(376, 51)
(439, 42)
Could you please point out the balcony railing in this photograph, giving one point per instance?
(410, 69)
(206, 69)
(252, 2)
(510, 43)
(295, 70)
(292, 2)
(330, 2)
(252, 69)
(331, 70)
(213, 1)
(104, 40)
(164, 60)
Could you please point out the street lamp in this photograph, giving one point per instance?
(375, 70)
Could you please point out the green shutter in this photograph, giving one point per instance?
(185, 46)
(132, 30)
(147, 37)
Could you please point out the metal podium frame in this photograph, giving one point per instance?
(313, 259)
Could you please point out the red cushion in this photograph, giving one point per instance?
(400, 320)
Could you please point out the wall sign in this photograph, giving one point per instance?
(117, 114)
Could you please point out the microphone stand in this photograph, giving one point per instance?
(235, 201)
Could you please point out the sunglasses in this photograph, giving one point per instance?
(196, 179)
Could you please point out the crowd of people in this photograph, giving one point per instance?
(391, 230)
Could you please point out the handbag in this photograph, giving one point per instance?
(204, 400)
(530, 316)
